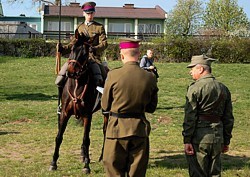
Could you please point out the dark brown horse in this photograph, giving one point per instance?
(79, 98)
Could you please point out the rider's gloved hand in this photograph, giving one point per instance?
(91, 49)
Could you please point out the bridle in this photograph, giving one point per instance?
(80, 72)
(76, 75)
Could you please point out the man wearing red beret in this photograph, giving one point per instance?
(128, 93)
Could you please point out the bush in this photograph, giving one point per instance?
(181, 49)
(167, 49)
(25, 47)
(232, 50)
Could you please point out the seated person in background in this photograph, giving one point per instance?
(147, 62)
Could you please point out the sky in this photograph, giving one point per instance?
(30, 10)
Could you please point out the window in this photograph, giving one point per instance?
(66, 26)
(54, 26)
(119, 27)
(149, 28)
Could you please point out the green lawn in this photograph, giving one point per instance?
(28, 122)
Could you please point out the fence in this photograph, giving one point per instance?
(65, 35)
(20, 35)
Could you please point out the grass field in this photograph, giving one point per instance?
(28, 122)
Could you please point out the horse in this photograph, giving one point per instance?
(79, 98)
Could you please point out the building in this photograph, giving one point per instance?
(16, 29)
(1, 9)
(20, 27)
(33, 22)
(118, 21)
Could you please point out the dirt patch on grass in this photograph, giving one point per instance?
(12, 152)
(22, 120)
(164, 120)
(245, 153)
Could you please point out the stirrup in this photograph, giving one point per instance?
(59, 109)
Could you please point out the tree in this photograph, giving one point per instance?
(185, 18)
(225, 16)
(38, 2)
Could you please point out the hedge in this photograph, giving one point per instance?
(26, 47)
(167, 49)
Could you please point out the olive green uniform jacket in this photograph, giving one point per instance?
(98, 38)
(129, 89)
(206, 96)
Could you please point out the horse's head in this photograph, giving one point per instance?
(78, 57)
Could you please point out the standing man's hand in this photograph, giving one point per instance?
(189, 150)
(225, 148)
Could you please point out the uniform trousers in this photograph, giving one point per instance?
(206, 162)
(126, 156)
(98, 71)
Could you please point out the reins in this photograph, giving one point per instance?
(78, 99)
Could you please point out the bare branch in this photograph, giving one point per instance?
(48, 2)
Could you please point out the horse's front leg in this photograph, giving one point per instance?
(86, 143)
(62, 124)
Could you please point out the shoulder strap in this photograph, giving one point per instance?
(150, 61)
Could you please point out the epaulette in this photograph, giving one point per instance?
(192, 83)
(96, 23)
(79, 25)
(115, 68)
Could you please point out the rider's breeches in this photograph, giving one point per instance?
(61, 77)
(97, 70)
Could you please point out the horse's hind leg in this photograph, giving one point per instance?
(86, 143)
(62, 124)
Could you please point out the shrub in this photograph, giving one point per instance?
(25, 47)
(167, 49)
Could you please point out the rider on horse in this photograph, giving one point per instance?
(97, 44)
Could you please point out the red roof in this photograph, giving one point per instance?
(127, 11)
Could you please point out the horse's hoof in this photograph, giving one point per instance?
(86, 170)
(52, 168)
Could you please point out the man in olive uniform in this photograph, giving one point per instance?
(208, 121)
(97, 41)
(128, 93)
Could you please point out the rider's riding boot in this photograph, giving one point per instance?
(61, 77)
(104, 69)
(60, 82)
(59, 108)
(97, 74)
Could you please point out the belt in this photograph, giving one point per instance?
(210, 118)
(127, 115)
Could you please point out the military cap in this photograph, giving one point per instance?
(126, 43)
(89, 7)
(200, 59)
